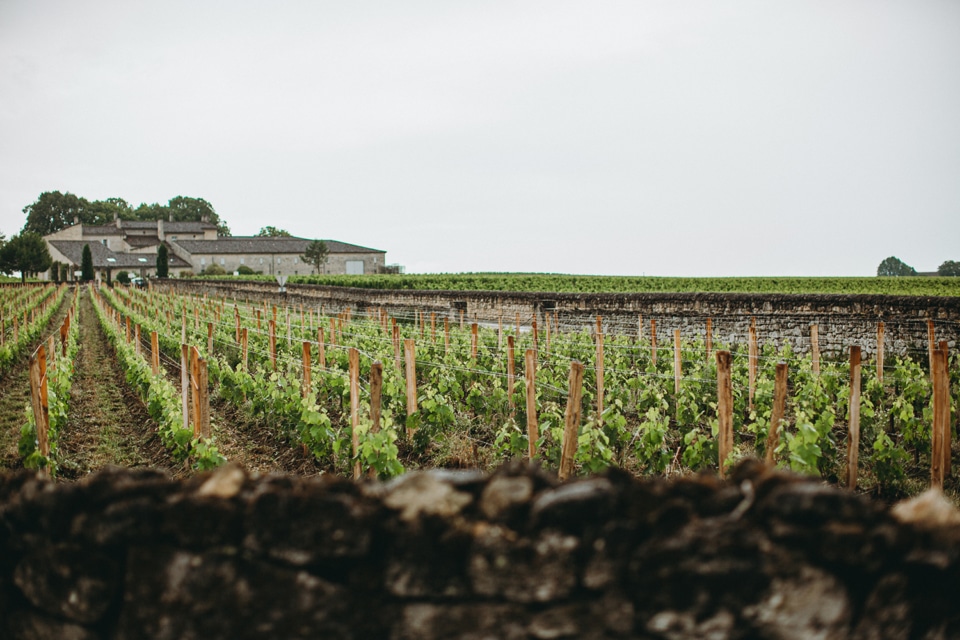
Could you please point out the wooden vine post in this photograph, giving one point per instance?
(243, 347)
(376, 388)
(571, 421)
(776, 415)
(530, 377)
(940, 435)
(433, 327)
(410, 357)
(599, 371)
(653, 341)
(396, 345)
(39, 401)
(752, 353)
(511, 373)
(209, 339)
(724, 409)
(199, 388)
(709, 339)
(815, 348)
(853, 439)
(136, 338)
(931, 345)
(305, 387)
(880, 344)
(272, 328)
(354, 364)
(155, 353)
(185, 384)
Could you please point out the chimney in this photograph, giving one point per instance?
(171, 216)
(160, 229)
(76, 219)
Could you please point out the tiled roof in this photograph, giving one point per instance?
(249, 244)
(104, 230)
(73, 251)
(186, 227)
(142, 241)
(130, 225)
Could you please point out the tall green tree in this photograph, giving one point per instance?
(26, 253)
(316, 254)
(106, 211)
(163, 262)
(949, 268)
(184, 209)
(272, 232)
(54, 211)
(894, 266)
(86, 264)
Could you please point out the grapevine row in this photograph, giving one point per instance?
(645, 423)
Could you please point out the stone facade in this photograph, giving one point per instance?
(842, 320)
(195, 246)
(275, 256)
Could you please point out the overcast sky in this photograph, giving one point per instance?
(661, 138)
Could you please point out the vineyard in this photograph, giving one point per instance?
(358, 392)
(559, 283)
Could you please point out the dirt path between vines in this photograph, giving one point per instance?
(254, 445)
(244, 440)
(107, 423)
(15, 396)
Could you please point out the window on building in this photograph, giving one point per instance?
(173, 237)
(203, 261)
(261, 260)
(279, 260)
(223, 261)
(296, 260)
(241, 260)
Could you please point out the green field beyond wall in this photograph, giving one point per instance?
(913, 286)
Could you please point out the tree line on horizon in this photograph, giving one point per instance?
(895, 267)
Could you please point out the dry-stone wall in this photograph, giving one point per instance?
(843, 320)
(133, 554)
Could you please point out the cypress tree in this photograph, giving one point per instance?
(163, 262)
(86, 264)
